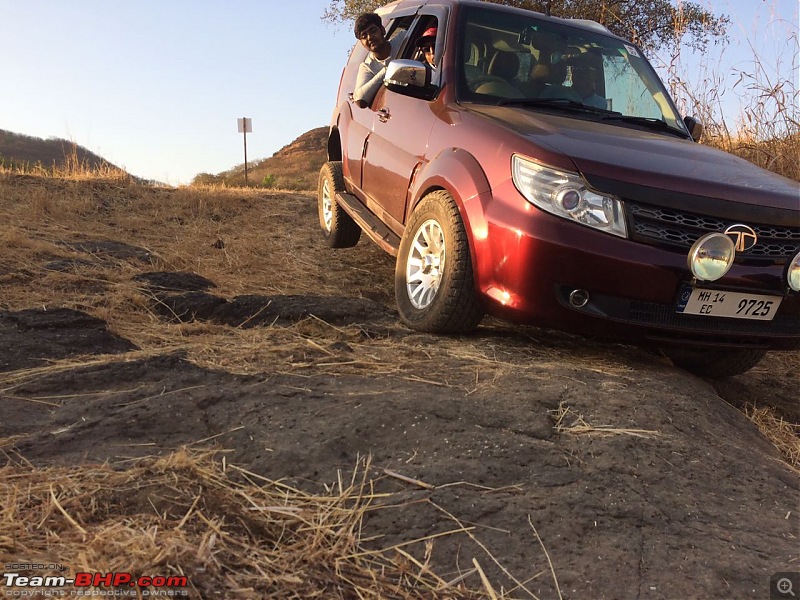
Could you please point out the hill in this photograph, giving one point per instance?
(30, 154)
(293, 167)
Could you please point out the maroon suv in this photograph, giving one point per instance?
(540, 172)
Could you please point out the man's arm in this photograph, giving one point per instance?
(367, 84)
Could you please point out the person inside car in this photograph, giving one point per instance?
(549, 78)
(427, 46)
(583, 83)
(370, 32)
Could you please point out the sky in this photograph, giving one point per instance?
(156, 86)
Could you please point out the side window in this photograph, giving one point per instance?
(397, 31)
(425, 44)
(424, 25)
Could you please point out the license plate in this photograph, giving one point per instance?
(733, 305)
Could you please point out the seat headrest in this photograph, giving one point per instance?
(504, 64)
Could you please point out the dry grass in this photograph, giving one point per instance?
(766, 128)
(75, 164)
(46, 215)
(567, 421)
(784, 436)
(231, 533)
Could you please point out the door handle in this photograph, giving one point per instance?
(383, 115)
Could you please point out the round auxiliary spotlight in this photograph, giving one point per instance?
(793, 273)
(711, 256)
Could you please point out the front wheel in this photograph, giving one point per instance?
(715, 363)
(434, 282)
(338, 227)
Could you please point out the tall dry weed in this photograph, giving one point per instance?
(70, 167)
(752, 111)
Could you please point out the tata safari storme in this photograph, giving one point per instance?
(540, 172)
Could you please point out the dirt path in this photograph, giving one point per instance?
(639, 479)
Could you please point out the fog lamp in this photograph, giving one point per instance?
(711, 256)
(793, 273)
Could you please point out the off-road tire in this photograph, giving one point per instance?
(338, 228)
(454, 306)
(714, 363)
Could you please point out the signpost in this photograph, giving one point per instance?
(245, 127)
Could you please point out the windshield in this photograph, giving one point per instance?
(509, 58)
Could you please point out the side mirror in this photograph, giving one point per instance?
(695, 128)
(410, 78)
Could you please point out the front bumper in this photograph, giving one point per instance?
(528, 262)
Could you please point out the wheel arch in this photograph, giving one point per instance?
(459, 173)
(334, 146)
(454, 170)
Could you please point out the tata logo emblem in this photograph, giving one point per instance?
(743, 237)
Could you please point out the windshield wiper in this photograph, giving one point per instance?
(649, 122)
(558, 103)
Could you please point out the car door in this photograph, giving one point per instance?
(361, 122)
(399, 138)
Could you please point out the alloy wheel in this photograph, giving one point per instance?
(327, 205)
(425, 264)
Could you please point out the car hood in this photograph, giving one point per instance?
(626, 160)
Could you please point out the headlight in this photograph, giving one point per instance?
(565, 195)
(711, 256)
(793, 273)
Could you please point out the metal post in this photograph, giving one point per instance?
(245, 156)
(245, 125)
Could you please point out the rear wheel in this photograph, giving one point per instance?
(434, 283)
(715, 363)
(338, 228)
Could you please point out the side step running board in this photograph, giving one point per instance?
(369, 223)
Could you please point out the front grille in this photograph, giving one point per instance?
(680, 229)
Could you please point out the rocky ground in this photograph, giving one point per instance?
(135, 322)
